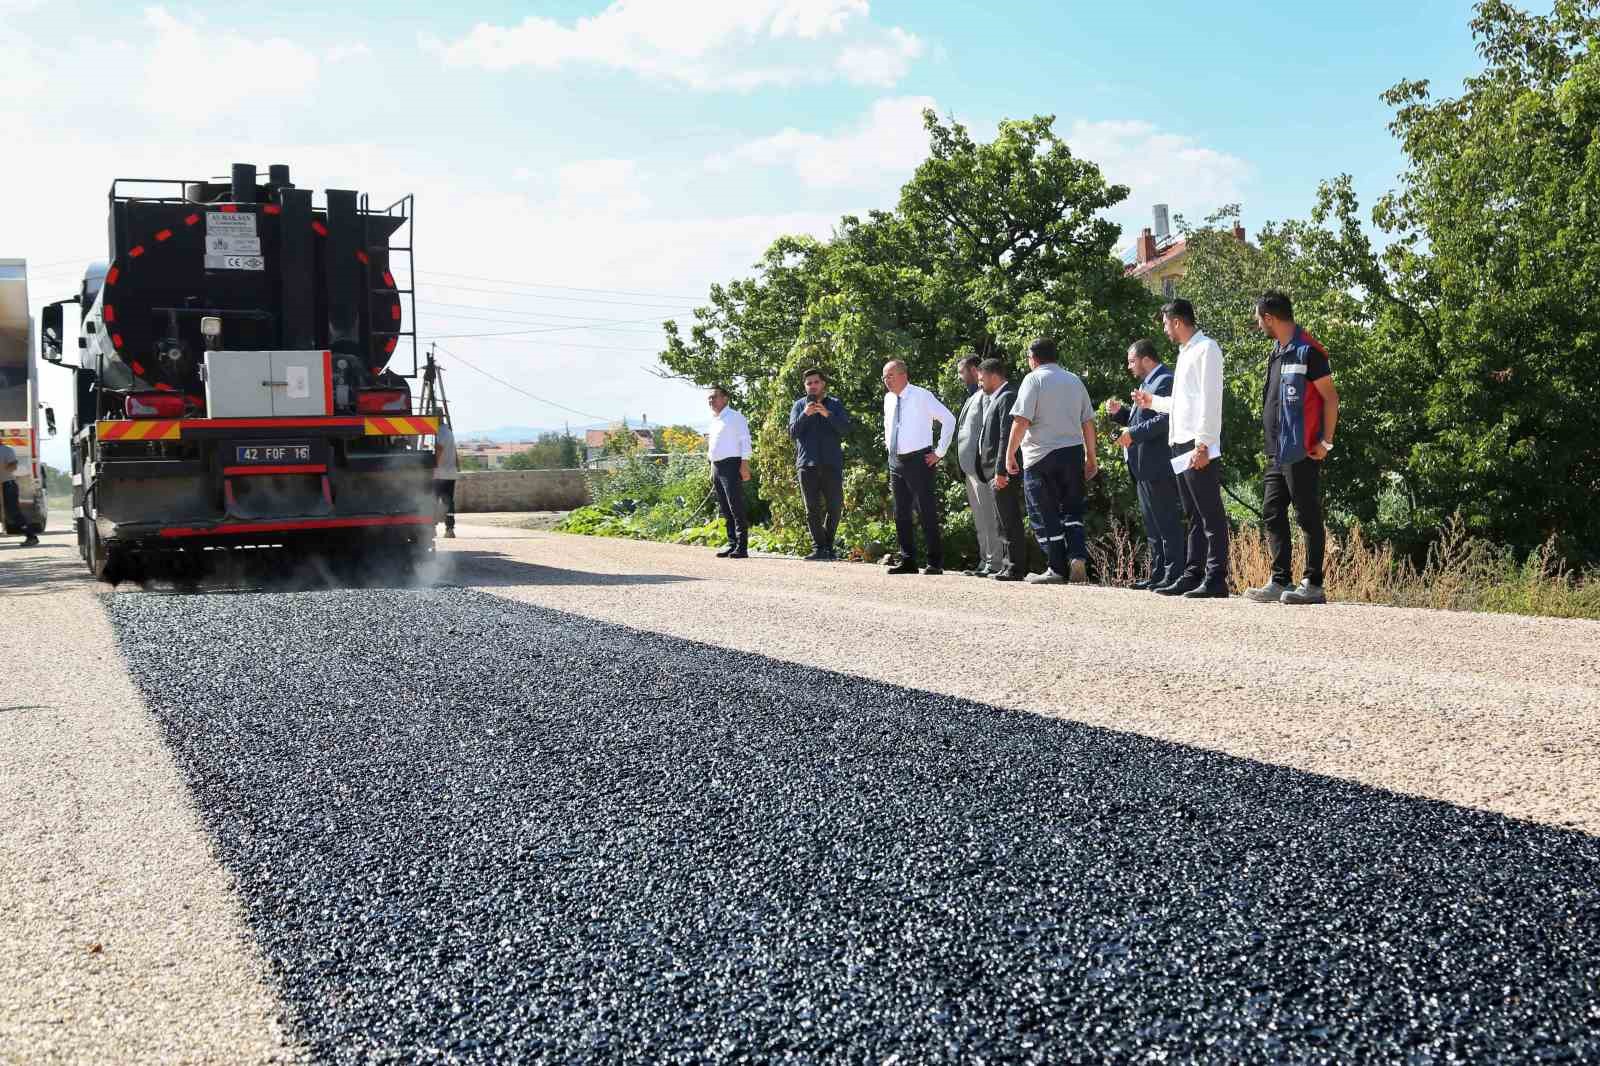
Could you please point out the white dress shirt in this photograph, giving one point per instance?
(919, 410)
(1196, 401)
(728, 436)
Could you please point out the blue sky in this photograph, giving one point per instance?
(643, 150)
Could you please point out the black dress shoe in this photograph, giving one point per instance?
(1010, 575)
(1140, 586)
(933, 571)
(816, 557)
(1207, 592)
(1181, 587)
(902, 568)
(740, 554)
(726, 551)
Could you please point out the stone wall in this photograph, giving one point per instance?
(520, 490)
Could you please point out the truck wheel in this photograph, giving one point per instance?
(106, 564)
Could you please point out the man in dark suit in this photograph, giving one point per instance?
(996, 434)
(1144, 443)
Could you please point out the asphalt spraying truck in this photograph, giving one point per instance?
(234, 386)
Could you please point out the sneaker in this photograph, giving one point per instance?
(1049, 577)
(902, 568)
(1305, 593)
(933, 571)
(1078, 572)
(982, 571)
(1271, 592)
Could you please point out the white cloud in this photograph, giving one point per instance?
(878, 152)
(882, 64)
(712, 44)
(601, 186)
(193, 76)
(341, 52)
(1160, 166)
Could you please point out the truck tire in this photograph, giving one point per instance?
(106, 564)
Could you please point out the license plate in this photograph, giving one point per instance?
(272, 454)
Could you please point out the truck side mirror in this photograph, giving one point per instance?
(50, 333)
(50, 420)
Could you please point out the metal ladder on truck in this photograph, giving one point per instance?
(434, 400)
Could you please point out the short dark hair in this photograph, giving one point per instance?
(1145, 348)
(726, 395)
(1043, 349)
(966, 361)
(814, 372)
(993, 366)
(1277, 304)
(1180, 309)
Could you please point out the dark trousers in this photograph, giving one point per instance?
(14, 521)
(1055, 489)
(1013, 534)
(445, 493)
(823, 489)
(730, 500)
(1300, 484)
(911, 482)
(1161, 504)
(1208, 522)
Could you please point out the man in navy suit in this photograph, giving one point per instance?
(1144, 442)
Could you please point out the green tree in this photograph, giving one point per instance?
(989, 244)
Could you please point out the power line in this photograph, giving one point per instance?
(514, 311)
(432, 314)
(560, 299)
(543, 285)
(518, 388)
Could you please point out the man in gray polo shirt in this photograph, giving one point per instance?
(1053, 426)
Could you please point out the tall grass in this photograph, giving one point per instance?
(1461, 573)
(664, 498)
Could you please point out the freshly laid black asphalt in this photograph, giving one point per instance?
(470, 830)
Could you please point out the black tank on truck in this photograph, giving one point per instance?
(243, 368)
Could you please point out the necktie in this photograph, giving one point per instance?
(894, 432)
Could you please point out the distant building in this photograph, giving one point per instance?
(1159, 259)
(489, 455)
(594, 441)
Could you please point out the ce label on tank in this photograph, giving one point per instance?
(235, 262)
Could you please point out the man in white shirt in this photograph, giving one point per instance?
(446, 470)
(728, 448)
(1195, 432)
(909, 412)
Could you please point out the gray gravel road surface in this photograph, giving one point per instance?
(121, 940)
(534, 836)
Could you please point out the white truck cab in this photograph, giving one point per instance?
(20, 406)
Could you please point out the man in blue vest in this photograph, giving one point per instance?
(1299, 413)
(1144, 443)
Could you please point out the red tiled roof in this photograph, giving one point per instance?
(1168, 254)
